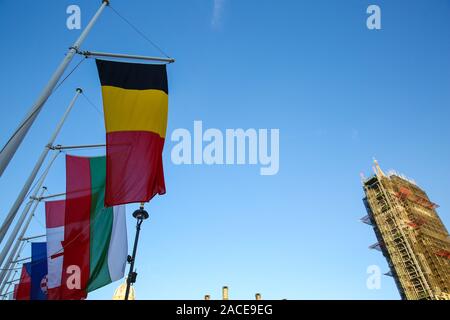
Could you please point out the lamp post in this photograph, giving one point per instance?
(140, 215)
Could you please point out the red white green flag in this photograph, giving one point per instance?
(95, 237)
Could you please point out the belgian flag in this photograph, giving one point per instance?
(135, 104)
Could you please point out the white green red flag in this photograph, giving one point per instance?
(94, 244)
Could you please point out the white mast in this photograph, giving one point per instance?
(14, 250)
(10, 273)
(11, 146)
(21, 197)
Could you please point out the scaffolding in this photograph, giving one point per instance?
(410, 235)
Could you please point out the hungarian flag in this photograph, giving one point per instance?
(54, 220)
(135, 104)
(95, 237)
(22, 290)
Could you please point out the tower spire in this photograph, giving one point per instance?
(377, 169)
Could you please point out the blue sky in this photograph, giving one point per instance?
(339, 93)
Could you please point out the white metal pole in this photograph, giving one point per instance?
(6, 295)
(7, 292)
(21, 260)
(12, 145)
(24, 214)
(126, 56)
(21, 197)
(10, 273)
(13, 252)
(60, 147)
(22, 218)
(35, 237)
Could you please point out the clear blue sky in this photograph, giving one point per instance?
(339, 93)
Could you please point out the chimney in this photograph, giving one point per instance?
(225, 293)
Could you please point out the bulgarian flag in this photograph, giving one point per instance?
(135, 104)
(95, 237)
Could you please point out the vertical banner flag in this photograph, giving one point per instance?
(38, 271)
(135, 104)
(16, 287)
(54, 220)
(95, 237)
(22, 290)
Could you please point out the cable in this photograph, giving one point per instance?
(65, 244)
(35, 218)
(68, 75)
(139, 32)
(40, 223)
(74, 239)
(92, 104)
(38, 109)
(7, 269)
(36, 182)
(34, 185)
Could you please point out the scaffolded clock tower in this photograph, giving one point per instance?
(410, 235)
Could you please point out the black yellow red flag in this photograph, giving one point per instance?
(135, 104)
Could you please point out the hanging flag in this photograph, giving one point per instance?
(16, 287)
(95, 237)
(54, 219)
(22, 291)
(135, 104)
(38, 271)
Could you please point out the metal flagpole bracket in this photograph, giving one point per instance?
(20, 260)
(51, 196)
(26, 188)
(19, 230)
(16, 139)
(34, 237)
(6, 294)
(88, 54)
(11, 281)
(60, 147)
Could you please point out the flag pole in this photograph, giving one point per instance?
(140, 216)
(21, 259)
(24, 215)
(12, 145)
(14, 250)
(7, 292)
(34, 237)
(85, 146)
(21, 197)
(11, 269)
(8, 282)
(125, 56)
(6, 295)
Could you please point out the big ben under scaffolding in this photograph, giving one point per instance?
(410, 235)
